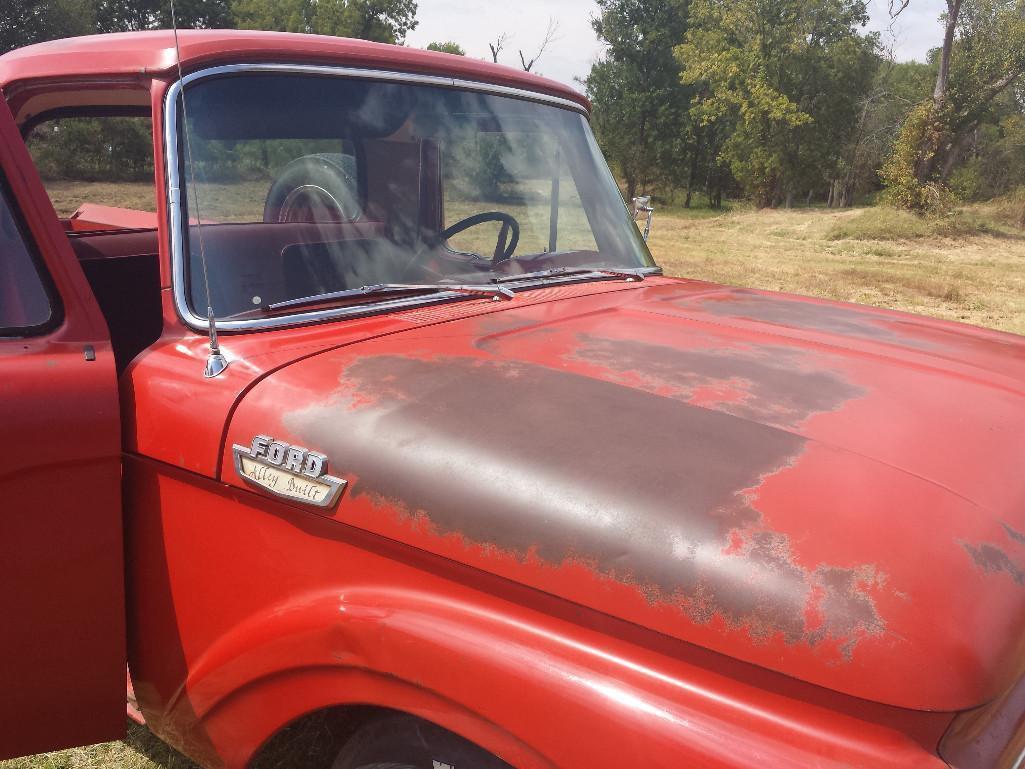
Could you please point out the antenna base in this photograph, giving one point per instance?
(215, 365)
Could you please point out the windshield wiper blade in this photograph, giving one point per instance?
(497, 292)
(562, 272)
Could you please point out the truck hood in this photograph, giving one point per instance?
(829, 491)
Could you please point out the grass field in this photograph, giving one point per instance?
(970, 267)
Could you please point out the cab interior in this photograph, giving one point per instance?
(336, 215)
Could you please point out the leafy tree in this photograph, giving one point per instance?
(982, 57)
(995, 164)
(385, 21)
(640, 104)
(788, 74)
(132, 15)
(896, 89)
(93, 149)
(23, 22)
(447, 47)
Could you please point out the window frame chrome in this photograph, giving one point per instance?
(173, 187)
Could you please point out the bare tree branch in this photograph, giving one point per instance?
(550, 36)
(497, 46)
(897, 7)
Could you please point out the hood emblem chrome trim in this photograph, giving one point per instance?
(287, 471)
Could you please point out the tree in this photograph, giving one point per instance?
(23, 22)
(982, 56)
(640, 105)
(789, 75)
(132, 15)
(497, 46)
(896, 89)
(995, 159)
(447, 47)
(526, 62)
(385, 21)
(550, 35)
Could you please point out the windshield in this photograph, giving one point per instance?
(309, 184)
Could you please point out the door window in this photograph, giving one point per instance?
(25, 304)
(95, 159)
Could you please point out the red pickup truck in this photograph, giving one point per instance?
(463, 473)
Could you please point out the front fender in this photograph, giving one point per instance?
(530, 694)
(247, 613)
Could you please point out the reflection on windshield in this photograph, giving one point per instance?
(310, 185)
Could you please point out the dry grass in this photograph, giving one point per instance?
(972, 270)
(968, 267)
(68, 196)
(139, 750)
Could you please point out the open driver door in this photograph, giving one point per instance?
(62, 607)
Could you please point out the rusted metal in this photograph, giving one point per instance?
(676, 519)
(767, 383)
(993, 558)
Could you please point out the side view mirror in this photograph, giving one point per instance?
(642, 205)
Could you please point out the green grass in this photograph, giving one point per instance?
(1008, 210)
(886, 223)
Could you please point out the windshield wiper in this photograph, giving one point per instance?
(497, 292)
(562, 272)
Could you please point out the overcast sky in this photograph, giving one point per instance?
(473, 24)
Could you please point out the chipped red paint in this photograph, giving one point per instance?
(819, 317)
(767, 383)
(995, 558)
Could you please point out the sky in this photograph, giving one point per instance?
(473, 24)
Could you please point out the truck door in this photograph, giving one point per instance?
(62, 626)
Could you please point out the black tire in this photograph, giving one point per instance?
(325, 179)
(405, 742)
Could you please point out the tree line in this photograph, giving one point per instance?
(23, 22)
(777, 101)
(781, 101)
(119, 149)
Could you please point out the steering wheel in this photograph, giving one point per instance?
(505, 246)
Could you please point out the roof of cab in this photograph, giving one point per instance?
(148, 54)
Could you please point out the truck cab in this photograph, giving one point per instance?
(350, 390)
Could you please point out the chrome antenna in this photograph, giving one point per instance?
(215, 361)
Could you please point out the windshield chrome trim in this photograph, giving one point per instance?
(173, 187)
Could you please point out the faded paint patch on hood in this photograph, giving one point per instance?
(731, 488)
(549, 465)
(770, 384)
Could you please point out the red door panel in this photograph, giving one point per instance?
(62, 645)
